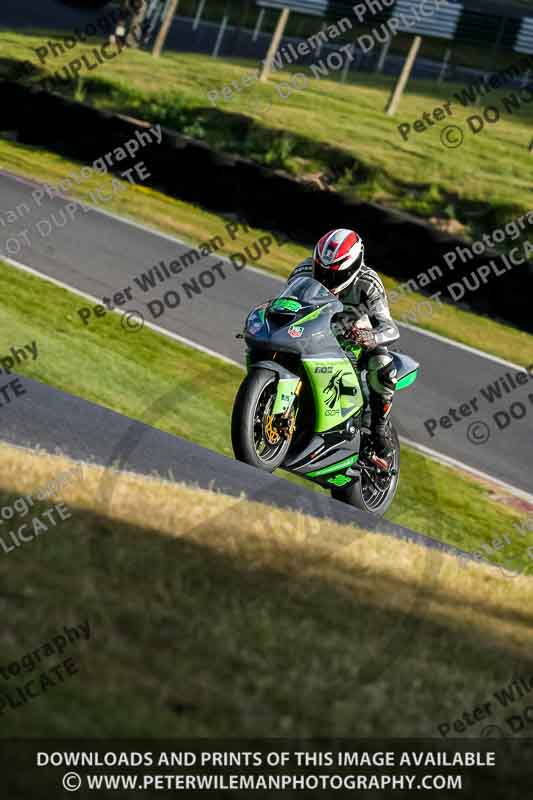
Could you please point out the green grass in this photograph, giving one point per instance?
(150, 378)
(191, 223)
(358, 146)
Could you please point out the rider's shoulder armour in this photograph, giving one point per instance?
(367, 289)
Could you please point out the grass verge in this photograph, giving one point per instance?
(340, 129)
(190, 223)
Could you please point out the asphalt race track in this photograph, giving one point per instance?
(100, 255)
(58, 422)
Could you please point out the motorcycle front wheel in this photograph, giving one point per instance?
(254, 438)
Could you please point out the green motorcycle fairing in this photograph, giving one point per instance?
(292, 337)
(299, 322)
(336, 390)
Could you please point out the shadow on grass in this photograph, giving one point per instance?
(270, 147)
(223, 634)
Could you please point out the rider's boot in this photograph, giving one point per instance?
(380, 408)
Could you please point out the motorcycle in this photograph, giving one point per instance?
(303, 405)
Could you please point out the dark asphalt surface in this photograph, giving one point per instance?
(101, 255)
(60, 423)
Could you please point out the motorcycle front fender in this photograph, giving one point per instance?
(286, 388)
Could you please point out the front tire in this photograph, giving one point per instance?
(251, 436)
(363, 493)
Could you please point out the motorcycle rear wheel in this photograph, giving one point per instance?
(370, 493)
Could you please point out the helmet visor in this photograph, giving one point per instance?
(334, 276)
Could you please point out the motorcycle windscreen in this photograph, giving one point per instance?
(308, 292)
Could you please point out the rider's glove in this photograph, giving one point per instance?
(365, 337)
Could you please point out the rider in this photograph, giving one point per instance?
(131, 24)
(338, 263)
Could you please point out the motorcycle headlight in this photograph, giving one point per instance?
(255, 321)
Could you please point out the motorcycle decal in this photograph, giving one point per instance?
(339, 480)
(286, 304)
(295, 331)
(347, 462)
(333, 389)
(310, 317)
(331, 379)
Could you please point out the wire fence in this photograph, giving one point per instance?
(459, 43)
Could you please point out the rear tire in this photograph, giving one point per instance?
(250, 409)
(363, 495)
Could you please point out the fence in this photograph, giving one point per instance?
(460, 41)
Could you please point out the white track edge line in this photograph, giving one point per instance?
(461, 346)
(157, 328)
(453, 462)
(435, 455)
(261, 271)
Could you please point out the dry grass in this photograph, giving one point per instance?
(216, 616)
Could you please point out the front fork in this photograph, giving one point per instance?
(282, 418)
(284, 411)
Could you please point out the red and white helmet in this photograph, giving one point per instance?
(337, 258)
